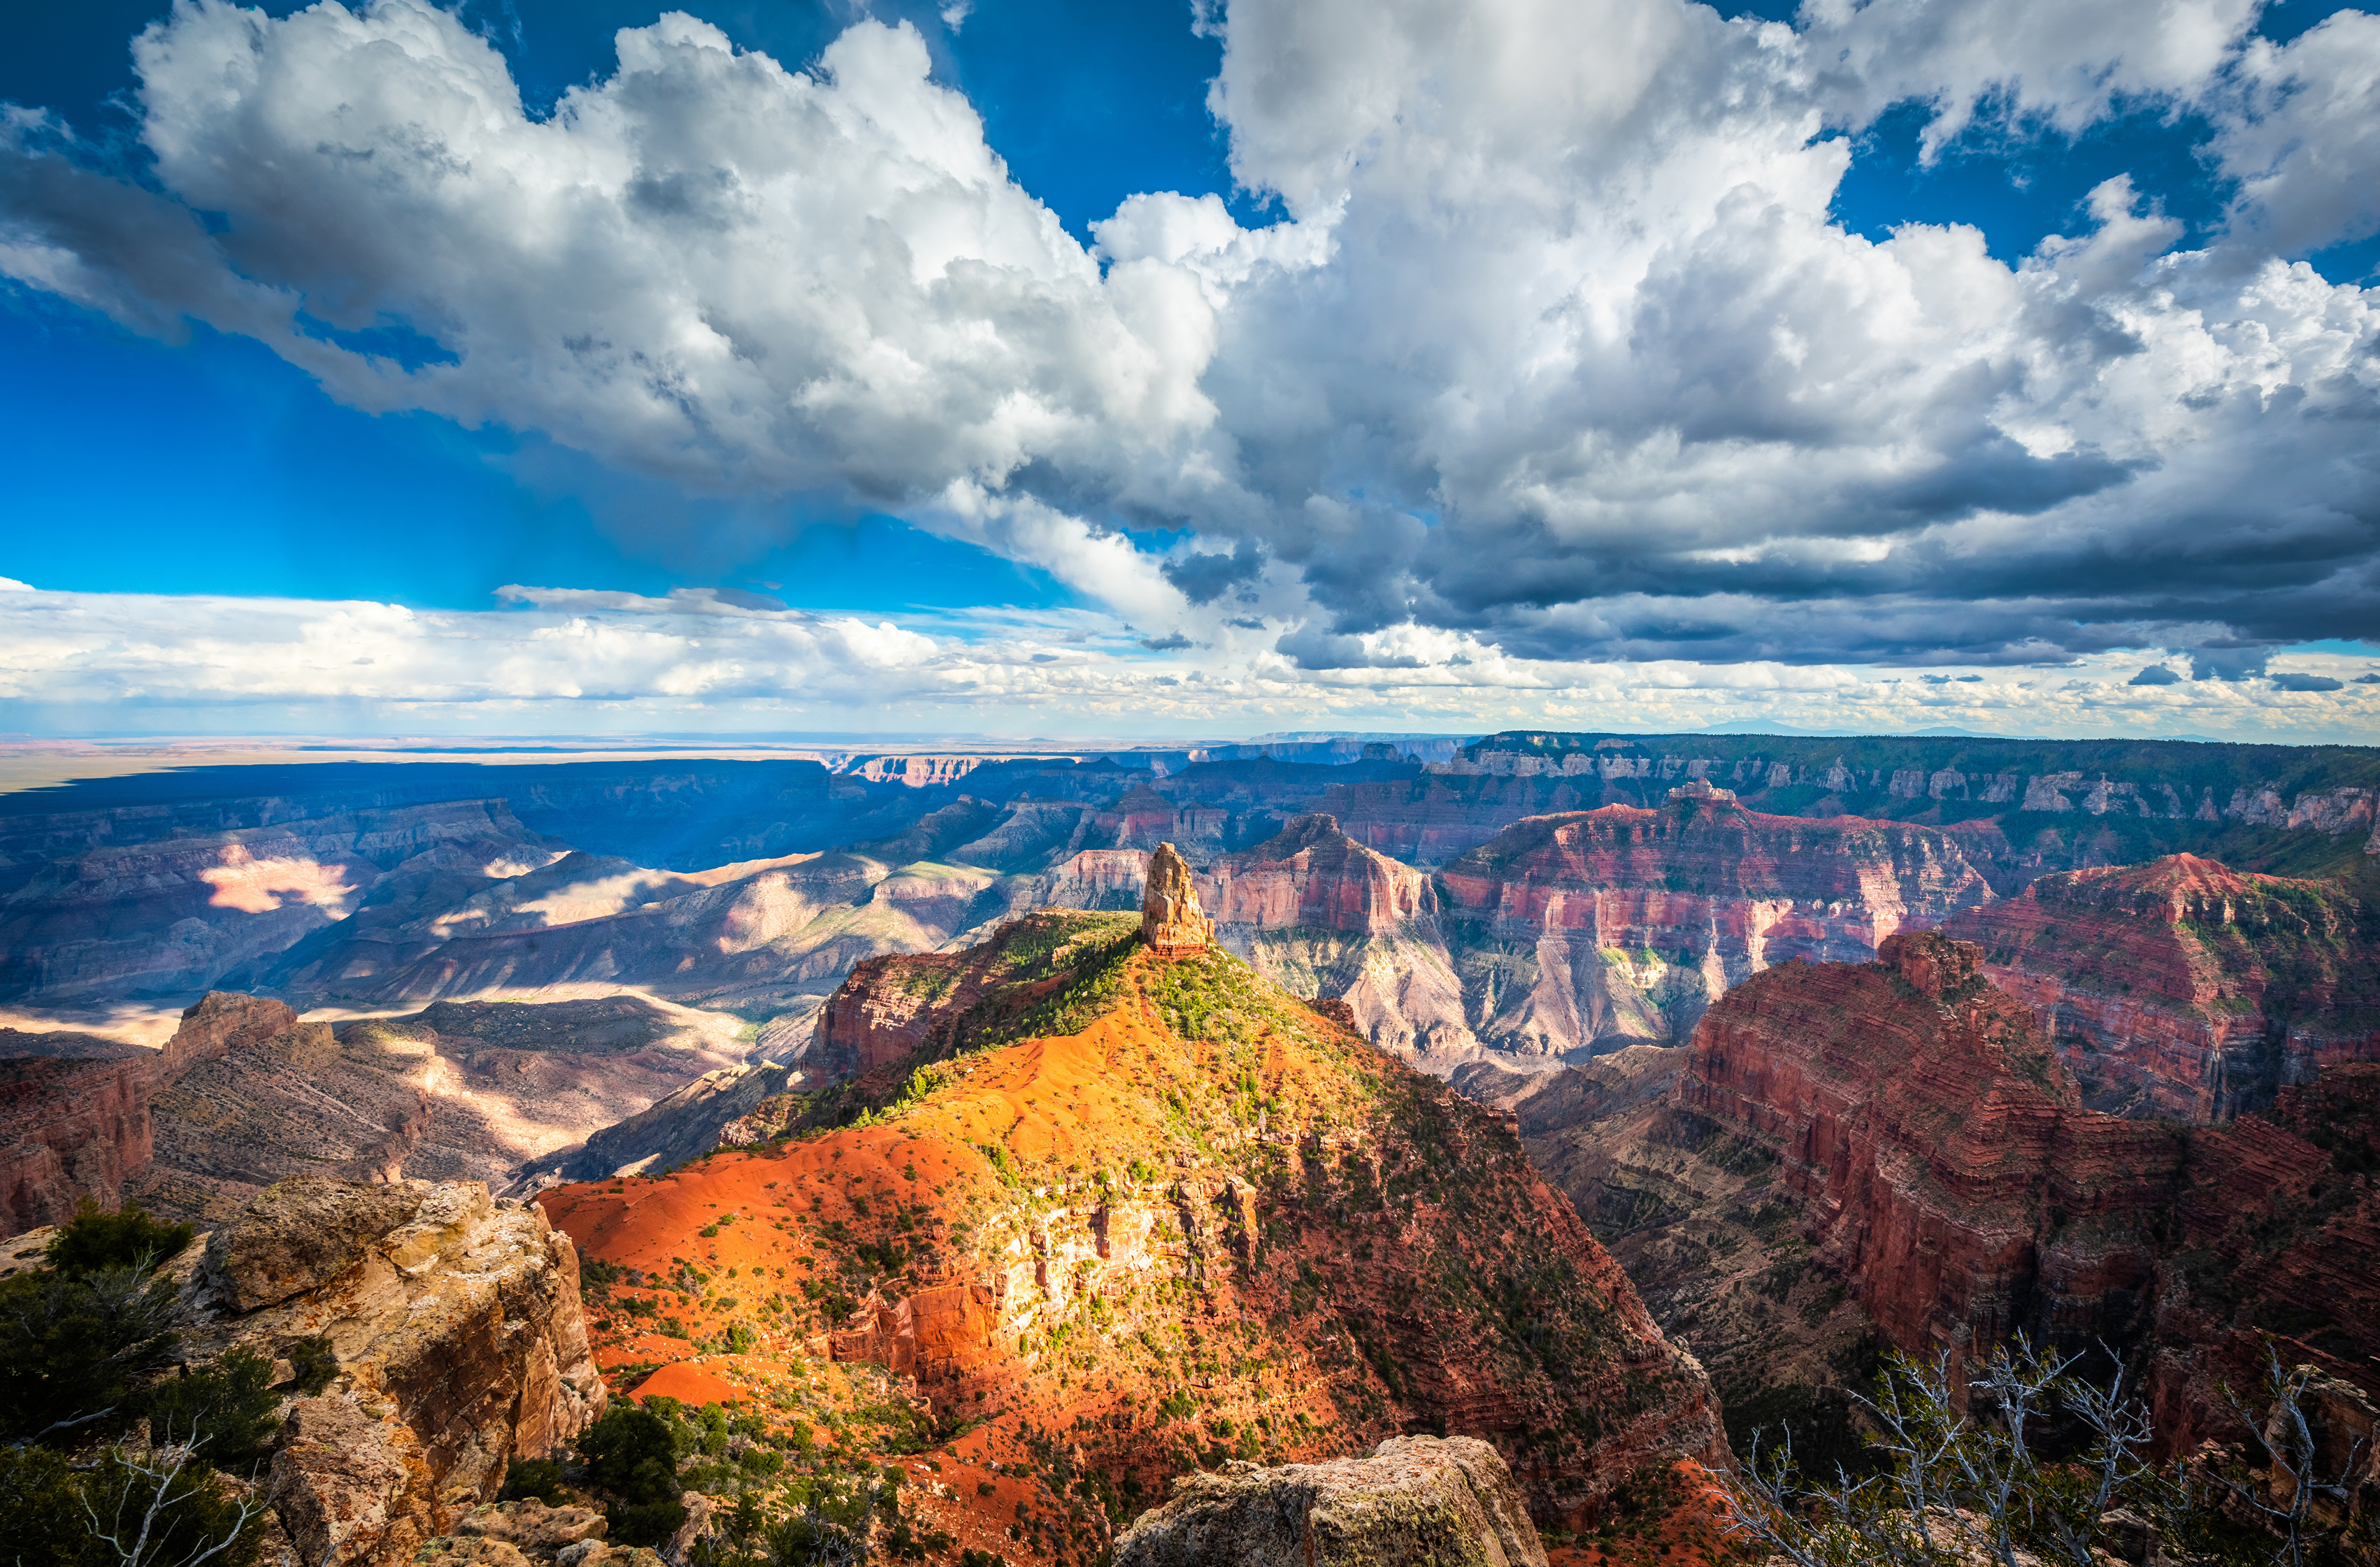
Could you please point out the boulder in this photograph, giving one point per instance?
(349, 1486)
(1450, 1503)
(532, 1525)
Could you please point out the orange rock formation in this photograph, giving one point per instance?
(1207, 1224)
(1171, 920)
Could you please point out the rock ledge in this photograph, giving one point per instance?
(1450, 1502)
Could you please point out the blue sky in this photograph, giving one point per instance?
(246, 478)
(203, 460)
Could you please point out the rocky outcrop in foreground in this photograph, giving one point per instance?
(457, 1344)
(2183, 989)
(1415, 1500)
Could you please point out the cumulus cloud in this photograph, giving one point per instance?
(569, 660)
(708, 266)
(2037, 59)
(1557, 359)
(2301, 132)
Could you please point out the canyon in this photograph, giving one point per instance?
(1779, 1052)
(1849, 1156)
(2183, 989)
(1587, 903)
(153, 888)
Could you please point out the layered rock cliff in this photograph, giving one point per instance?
(1621, 924)
(1319, 914)
(1947, 1174)
(178, 914)
(1201, 1215)
(69, 1129)
(2184, 990)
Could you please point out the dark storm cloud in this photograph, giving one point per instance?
(1203, 578)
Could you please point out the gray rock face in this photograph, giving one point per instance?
(300, 1234)
(1450, 1502)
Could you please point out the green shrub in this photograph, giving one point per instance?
(632, 1453)
(94, 1239)
(72, 1345)
(314, 1364)
(539, 1478)
(648, 1523)
(226, 1412)
(54, 1515)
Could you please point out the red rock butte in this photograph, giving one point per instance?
(1171, 920)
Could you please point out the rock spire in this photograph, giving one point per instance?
(1171, 920)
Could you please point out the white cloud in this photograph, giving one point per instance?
(575, 659)
(707, 266)
(2051, 60)
(1557, 359)
(2301, 134)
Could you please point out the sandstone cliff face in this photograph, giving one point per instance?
(83, 1127)
(1622, 924)
(1925, 1115)
(459, 1343)
(1319, 914)
(69, 1129)
(2183, 991)
(1205, 1215)
(1949, 1176)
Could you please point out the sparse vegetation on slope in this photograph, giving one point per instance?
(1203, 1224)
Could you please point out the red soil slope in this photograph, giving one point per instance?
(1209, 1224)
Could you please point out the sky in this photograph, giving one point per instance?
(532, 367)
